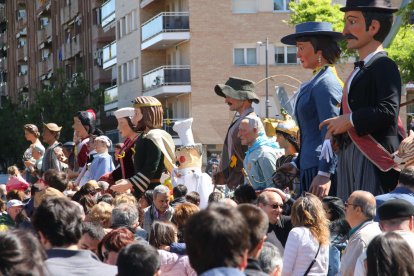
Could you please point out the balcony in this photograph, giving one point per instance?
(44, 33)
(145, 3)
(108, 13)
(42, 5)
(3, 89)
(109, 55)
(111, 98)
(45, 65)
(22, 53)
(3, 39)
(22, 81)
(3, 64)
(165, 30)
(72, 48)
(70, 11)
(167, 81)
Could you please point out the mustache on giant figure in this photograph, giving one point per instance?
(350, 36)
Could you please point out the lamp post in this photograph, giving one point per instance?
(267, 74)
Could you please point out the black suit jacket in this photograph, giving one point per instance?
(374, 98)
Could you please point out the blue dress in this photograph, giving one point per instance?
(318, 100)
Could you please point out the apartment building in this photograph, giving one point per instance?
(39, 37)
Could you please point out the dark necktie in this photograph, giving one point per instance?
(359, 64)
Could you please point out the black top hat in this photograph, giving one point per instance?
(369, 5)
(236, 88)
(311, 29)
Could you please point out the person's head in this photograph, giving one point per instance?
(56, 179)
(15, 194)
(316, 44)
(307, 211)
(14, 207)
(148, 113)
(367, 22)
(272, 204)
(101, 213)
(13, 170)
(179, 191)
(124, 117)
(271, 260)
(245, 194)
(215, 197)
(125, 215)
(163, 233)
(217, 237)
(249, 129)
(183, 212)
(407, 177)
(106, 198)
(229, 202)
(31, 132)
(58, 223)
(334, 208)
(359, 207)
(396, 214)
(258, 223)
(51, 133)
(146, 199)
(68, 148)
(238, 94)
(92, 234)
(138, 258)
(37, 151)
(389, 254)
(161, 196)
(84, 123)
(102, 143)
(112, 243)
(125, 198)
(193, 197)
(20, 254)
(287, 134)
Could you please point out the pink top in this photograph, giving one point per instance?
(16, 183)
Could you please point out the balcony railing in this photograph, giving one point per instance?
(3, 64)
(72, 47)
(69, 11)
(46, 65)
(3, 89)
(44, 33)
(165, 22)
(23, 81)
(108, 13)
(167, 75)
(22, 53)
(3, 39)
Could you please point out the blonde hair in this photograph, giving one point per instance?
(308, 211)
(125, 198)
(101, 213)
(152, 112)
(13, 170)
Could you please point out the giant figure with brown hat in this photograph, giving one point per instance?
(239, 95)
(154, 148)
(368, 130)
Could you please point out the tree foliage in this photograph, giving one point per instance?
(319, 11)
(57, 103)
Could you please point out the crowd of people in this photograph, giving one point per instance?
(316, 193)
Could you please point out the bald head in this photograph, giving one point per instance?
(361, 207)
(267, 196)
(272, 204)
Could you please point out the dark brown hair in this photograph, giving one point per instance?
(326, 44)
(151, 115)
(384, 19)
(162, 233)
(31, 128)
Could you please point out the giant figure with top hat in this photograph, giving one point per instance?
(368, 130)
(239, 95)
(154, 148)
(189, 160)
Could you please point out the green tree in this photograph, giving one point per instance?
(57, 103)
(319, 10)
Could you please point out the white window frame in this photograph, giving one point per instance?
(285, 55)
(244, 56)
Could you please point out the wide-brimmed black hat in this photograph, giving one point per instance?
(311, 29)
(369, 5)
(236, 88)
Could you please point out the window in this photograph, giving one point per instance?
(285, 55)
(281, 5)
(245, 56)
(124, 72)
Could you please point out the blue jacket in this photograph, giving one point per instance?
(318, 100)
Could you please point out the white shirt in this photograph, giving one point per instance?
(300, 250)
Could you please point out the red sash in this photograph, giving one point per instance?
(367, 144)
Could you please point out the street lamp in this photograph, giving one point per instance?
(267, 74)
